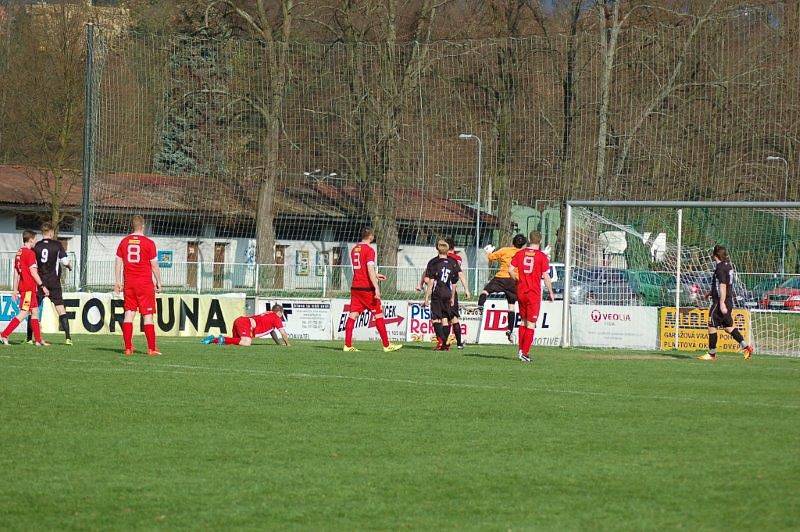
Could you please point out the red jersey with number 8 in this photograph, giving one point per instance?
(360, 256)
(531, 264)
(136, 252)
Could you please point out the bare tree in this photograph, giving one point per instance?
(44, 100)
(272, 23)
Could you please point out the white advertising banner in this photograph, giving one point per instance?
(176, 315)
(420, 328)
(304, 319)
(614, 326)
(493, 326)
(395, 313)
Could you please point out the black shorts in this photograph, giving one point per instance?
(507, 286)
(719, 320)
(54, 286)
(441, 308)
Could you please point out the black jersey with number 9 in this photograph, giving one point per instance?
(49, 253)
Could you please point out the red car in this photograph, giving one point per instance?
(785, 297)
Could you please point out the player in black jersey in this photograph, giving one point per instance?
(720, 316)
(51, 260)
(441, 274)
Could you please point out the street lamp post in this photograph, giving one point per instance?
(774, 159)
(469, 136)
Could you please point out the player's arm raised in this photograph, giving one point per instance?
(373, 276)
(118, 266)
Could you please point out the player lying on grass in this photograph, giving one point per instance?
(502, 283)
(245, 328)
(441, 274)
(26, 281)
(528, 267)
(721, 313)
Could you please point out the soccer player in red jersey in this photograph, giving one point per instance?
(27, 281)
(245, 328)
(137, 263)
(528, 267)
(365, 294)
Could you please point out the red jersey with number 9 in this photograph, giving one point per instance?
(531, 264)
(360, 256)
(136, 252)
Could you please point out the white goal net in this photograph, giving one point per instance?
(639, 274)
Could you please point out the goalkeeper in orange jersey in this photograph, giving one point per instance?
(502, 281)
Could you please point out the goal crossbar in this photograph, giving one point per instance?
(678, 205)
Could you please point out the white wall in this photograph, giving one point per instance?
(102, 251)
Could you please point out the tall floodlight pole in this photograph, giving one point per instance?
(88, 154)
(469, 136)
(773, 159)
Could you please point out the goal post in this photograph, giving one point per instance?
(657, 255)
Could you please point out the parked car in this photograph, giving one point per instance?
(602, 286)
(785, 297)
(696, 287)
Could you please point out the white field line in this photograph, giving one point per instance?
(189, 369)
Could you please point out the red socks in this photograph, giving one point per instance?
(229, 340)
(348, 332)
(381, 326)
(150, 334)
(525, 339)
(10, 329)
(37, 331)
(127, 334)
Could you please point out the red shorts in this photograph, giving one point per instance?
(361, 300)
(529, 306)
(242, 327)
(140, 298)
(28, 300)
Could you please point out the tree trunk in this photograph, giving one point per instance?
(608, 44)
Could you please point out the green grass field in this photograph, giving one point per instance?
(307, 437)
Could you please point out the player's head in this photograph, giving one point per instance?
(451, 242)
(137, 223)
(47, 230)
(519, 241)
(535, 238)
(720, 253)
(442, 246)
(28, 238)
(277, 309)
(367, 234)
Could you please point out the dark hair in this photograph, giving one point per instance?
(47, 227)
(27, 236)
(450, 242)
(519, 241)
(277, 308)
(721, 252)
(536, 237)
